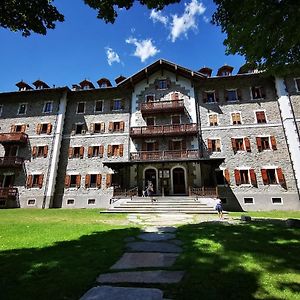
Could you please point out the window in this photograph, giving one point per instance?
(214, 145)
(1, 109)
(18, 128)
(240, 144)
(266, 143)
(162, 84)
(273, 176)
(257, 92)
(297, 84)
(22, 109)
(150, 98)
(91, 201)
(79, 128)
(39, 151)
(231, 95)
(209, 97)
(213, 120)
(44, 128)
(72, 181)
(76, 152)
(150, 121)
(80, 107)
(175, 119)
(260, 117)
(93, 180)
(35, 181)
(70, 202)
(117, 104)
(95, 151)
(48, 106)
(276, 200)
(31, 202)
(248, 200)
(97, 127)
(99, 106)
(115, 150)
(116, 126)
(245, 176)
(236, 118)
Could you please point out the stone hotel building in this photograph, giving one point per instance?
(229, 135)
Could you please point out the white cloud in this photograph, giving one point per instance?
(157, 16)
(112, 56)
(144, 48)
(181, 25)
(206, 19)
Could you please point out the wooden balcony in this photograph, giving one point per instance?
(164, 155)
(164, 130)
(14, 137)
(8, 193)
(11, 162)
(174, 106)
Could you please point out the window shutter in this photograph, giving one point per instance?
(237, 177)
(122, 125)
(253, 177)
(81, 152)
(108, 180)
(144, 146)
(156, 146)
(23, 128)
(38, 128)
(49, 128)
(239, 94)
(90, 151)
(45, 151)
(67, 181)
(183, 144)
(111, 126)
(247, 144)
(273, 142)
(264, 176)
(102, 127)
(29, 181)
(227, 176)
(99, 181)
(121, 149)
(101, 150)
(259, 145)
(87, 180)
(281, 178)
(13, 128)
(78, 181)
(209, 145)
(40, 181)
(218, 145)
(34, 151)
(109, 150)
(204, 97)
(92, 127)
(233, 143)
(70, 152)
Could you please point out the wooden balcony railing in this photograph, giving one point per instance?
(13, 137)
(8, 193)
(164, 155)
(165, 130)
(11, 162)
(162, 107)
(203, 191)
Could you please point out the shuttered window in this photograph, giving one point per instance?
(266, 143)
(93, 180)
(72, 181)
(18, 128)
(273, 176)
(245, 176)
(239, 144)
(35, 181)
(260, 117)
(213, 120)
(76, 152)
(95, 151)
(236, 118)
(39, 151)
(44, 128)
(214, 145)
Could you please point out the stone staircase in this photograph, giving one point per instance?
(170, 204)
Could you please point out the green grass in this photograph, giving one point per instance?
(57, 254)
(269, 214)
(257, 260)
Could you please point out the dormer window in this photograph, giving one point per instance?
(225, 71)
(86, 87)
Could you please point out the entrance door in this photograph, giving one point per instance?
(178, 181)
(150, 175)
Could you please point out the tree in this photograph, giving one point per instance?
(265, 32)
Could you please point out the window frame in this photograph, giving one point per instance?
(45, 105)
(235, 113)
(25, 111)
(211, 92)
(236, 95)
(281, 201)
(71, 199)
(84, 107)
(114, 107)
(260, 92)
(102, 106)
(260, 111)
(252, 203)
(160, 86)
(217, 117)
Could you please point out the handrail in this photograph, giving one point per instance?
(118, 193)
(161, 105)
(203, 191)
(164, 155)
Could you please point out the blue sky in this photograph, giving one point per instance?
(86, 47)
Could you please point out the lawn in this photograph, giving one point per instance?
(57, 254)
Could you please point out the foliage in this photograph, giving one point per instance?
(265, 32)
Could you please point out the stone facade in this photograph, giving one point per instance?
(167, 124)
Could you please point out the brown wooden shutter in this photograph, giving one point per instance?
(108, 180)
(38, 128)
(281, 178)
(253, 177)
(264, 176)
(111, 126)
(122, 126)
(183, 144)
(233, 143)
(23, 128)
(218, 145)
(109, 150)
(209, 145)
(247, 144)
(204, 97)
(67, 181)
(92, 127)
(40, 181)
(34, 151)
(81, 152)
(144, 146)
(90, 151)
(70, 152)
(259, 145)
(101, 150)
(237, 177)
(13, 128)
(49, 128)
(87, 180)
(273, 142)
(121, 149)
(45, 151)
(99, 181)
(29, 181)
(239, 94)
(78, 181)
(102, 127)
(227, 176)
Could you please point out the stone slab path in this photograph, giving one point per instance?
(154, 247)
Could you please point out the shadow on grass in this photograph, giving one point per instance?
(63, 271)
(247, 261)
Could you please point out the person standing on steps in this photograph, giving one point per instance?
(150, 190)
(219, 209)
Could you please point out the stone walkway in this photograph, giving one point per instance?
(147, 260)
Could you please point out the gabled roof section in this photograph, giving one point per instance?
(104, 82)
(39, 84)
(86, 84)
(23, 86)
(160, 65)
